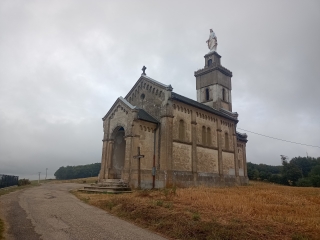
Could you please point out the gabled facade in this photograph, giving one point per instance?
(183, 142)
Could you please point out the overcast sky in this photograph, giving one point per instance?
(64, 63)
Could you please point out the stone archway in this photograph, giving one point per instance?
(118, 152)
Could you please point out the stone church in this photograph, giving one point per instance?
(154, 137)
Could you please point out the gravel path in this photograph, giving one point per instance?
(51, 212)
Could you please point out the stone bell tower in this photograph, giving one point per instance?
(214, 83)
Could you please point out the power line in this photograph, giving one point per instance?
(279, 139)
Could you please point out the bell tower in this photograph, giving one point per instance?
(214, 83)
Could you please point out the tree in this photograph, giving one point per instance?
(81, 171)
(291, 172)
(315, 176)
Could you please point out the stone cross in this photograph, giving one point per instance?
(143, 70)
(138, 156)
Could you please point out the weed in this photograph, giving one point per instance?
(110, 205)
(168, 205)
(159, 203)
(144, 193)
(196, 216)
(298, 236)
(166, 192)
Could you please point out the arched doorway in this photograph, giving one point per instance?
(118, 153)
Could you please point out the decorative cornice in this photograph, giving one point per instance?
(180, 141)
(212, 53)
(242, 137)
(206, 146)
(131, 135)
(150, 81)
(229, 151)
(123, 102)
(213, 68)
(167, 115)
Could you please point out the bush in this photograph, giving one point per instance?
(23, 182)
(304, 182)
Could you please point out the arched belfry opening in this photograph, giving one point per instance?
(118, 152)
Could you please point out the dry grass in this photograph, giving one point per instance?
(1, 229)
(257, 211)
(78, 180)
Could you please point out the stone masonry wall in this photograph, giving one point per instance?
(146, 144)
(206, 120)
(148, 96)
(228, 163)
(182, 112)
(207, 160)
(181, 157)
(227, 127)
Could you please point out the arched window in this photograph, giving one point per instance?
(209, 62)
(223, 94)
(207, 94)
(208, 136)
(181, 130)
(204, 135)
(226, 141)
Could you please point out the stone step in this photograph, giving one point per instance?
(112, 180)
(110, 184)
(104, 191)
(107, 188)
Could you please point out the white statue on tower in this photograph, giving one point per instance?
(212, 41)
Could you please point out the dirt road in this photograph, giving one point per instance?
(51, 212)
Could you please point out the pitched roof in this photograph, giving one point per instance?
(155, 81)
(143, 115)
(148, 79)
(202, 106)
(115, 103)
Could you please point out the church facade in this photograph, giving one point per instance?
(154, 137)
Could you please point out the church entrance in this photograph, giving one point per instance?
(118, 153)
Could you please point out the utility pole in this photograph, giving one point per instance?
(46, 173)
(39, 177)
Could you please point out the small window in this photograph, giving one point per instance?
(207, 94)
(142, 96)
(208, 136)
(226, 141)
(223, 94)
(204, 135)
(209, 62)
(181, 130)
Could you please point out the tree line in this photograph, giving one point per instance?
(299, 171)
(80, 171)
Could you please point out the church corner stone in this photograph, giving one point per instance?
(181, 141)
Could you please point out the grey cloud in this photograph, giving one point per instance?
(63, 64)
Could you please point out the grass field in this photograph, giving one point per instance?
(257, 211)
